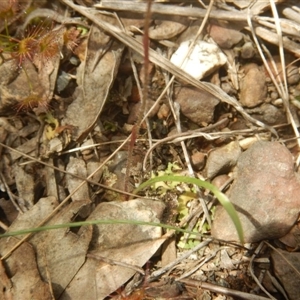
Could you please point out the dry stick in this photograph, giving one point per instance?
(49, 13)
(166, 64)
(288, 262)
(250, 268)
(190, 49)
(285, 95)
(135, 74)
(281, 90)
(136, 127)
(68, 173)
(222, 290)
(198, 266)
(272, 38)
(192, 12)
(163, 9)
(175, 138)
(277, 285)
(169, 266)
(191, 173)
(176, 109)
(116, 263)
(10, 194)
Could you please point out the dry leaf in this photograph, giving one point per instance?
(94, 82)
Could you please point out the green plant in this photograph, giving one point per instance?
(223, 199)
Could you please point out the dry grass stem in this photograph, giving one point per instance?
(191, 12)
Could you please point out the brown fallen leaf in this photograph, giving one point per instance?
(22, 270)
(129, 244)
(95, 77)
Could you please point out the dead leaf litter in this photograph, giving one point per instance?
(78, 135)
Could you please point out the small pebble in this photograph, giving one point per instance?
(198, 160)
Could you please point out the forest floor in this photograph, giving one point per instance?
(199, 97)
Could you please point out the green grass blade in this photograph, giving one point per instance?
(94, 222)
(223, 199)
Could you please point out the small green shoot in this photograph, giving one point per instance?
(223, 199)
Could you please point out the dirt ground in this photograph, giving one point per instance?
(149, 149)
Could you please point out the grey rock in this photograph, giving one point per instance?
(222, 160)
(198, 106)
(269, 114)
(266, 195)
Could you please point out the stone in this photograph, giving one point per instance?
(222, 160)
(265, 193)
(136, 110)
(253, 86)
(198, 106)
(224, 36)
(204, 59)
(270, 114)
(198, 160)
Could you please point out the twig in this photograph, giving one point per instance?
(198, 266)
(189, 165)
(116, 263)
(288, 262)
(250, 268)
(282, 89)
(222, 290)
(10, 194)
(53, 15)
(181, 136)
(144, 98)
(68, 173)
(191, 12)
(169, 266)
(272, 38)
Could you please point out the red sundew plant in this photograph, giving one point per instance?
(48, 46)
(45, 47)
(38, 45)
(22, 49)
(30, 102)
(72, 38)
(8, 9)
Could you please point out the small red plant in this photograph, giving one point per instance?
(8, 9)
(48, 46)
(30, 102)
(23, 49)
(39, 45)
(72, 38)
